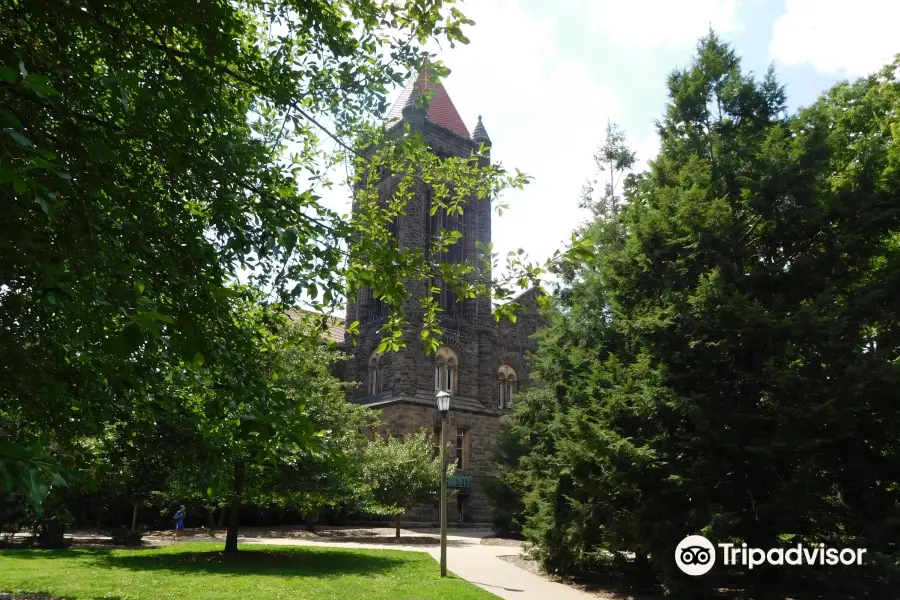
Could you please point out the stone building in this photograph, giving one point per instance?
(481, 362)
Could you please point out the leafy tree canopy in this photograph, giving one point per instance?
(402, 473)
(151, 154)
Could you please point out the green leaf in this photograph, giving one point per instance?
(45, 206)
(34, 483)
(20, 186)
(19, 138)
(289, 240)
(155, 316)
(8, 75)
(37, 79)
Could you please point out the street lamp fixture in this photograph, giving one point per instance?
(443, 404)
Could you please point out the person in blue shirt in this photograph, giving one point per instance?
(179, 521)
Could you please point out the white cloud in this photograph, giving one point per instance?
(545, 115)
(646, 148)
(661, 23)
(835, 36)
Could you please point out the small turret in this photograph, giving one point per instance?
(480, 135)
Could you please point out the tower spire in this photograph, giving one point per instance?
(480, 134)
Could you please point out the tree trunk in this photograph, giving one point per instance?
(234, 512)
(397, 526)
(222, 512)
(99, 512)
(134, 518)
(211, 518)
(309, 519)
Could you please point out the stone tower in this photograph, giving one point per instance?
(480, 362)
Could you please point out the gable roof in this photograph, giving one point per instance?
(440, 111)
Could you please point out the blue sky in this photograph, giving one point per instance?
(546, 75)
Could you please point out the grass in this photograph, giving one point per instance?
(200, 570)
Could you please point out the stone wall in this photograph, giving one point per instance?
(480, 438)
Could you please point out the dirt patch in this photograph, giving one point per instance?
(349, 533)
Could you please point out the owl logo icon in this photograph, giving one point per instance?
(695, 555)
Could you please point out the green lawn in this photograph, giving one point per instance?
(200, 570)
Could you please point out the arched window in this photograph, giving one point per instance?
(376, 374)
(446, 365)
(508, 382)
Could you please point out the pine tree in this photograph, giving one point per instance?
(730, 369)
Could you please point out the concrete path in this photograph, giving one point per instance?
(479, 565)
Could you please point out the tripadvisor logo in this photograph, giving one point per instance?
(696, 555)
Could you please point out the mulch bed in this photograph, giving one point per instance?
(498, 541)
(523, 563)
(601, 592)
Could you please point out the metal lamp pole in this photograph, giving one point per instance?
(443, 401)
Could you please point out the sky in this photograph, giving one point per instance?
(547, 76)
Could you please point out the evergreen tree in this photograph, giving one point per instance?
(730, 368)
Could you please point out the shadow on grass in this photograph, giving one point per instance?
(40, 554)
(295, 562)
(47, 596)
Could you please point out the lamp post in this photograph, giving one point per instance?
(443, 402)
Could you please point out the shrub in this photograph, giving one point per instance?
(124, 536)
(49, 532)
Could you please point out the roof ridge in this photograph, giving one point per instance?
(441, 109)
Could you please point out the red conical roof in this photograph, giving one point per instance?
(440, 111)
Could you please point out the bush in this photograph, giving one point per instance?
(49, 532)
(124, 536)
